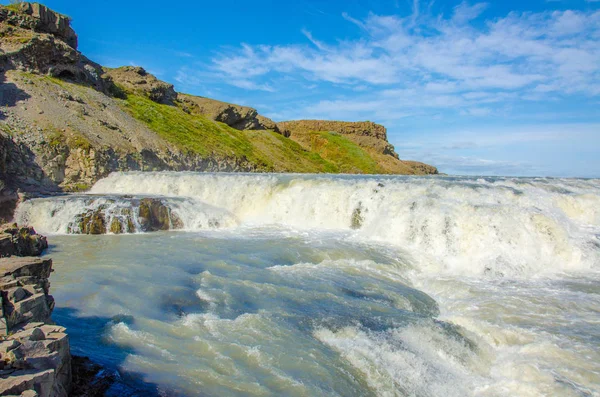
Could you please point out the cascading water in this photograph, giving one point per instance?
(323, 285)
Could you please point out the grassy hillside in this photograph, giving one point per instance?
(196, 134)
(345, 154)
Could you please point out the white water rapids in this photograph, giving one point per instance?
(316, 285)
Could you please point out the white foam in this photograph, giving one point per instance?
(418, 360)
(510, 226)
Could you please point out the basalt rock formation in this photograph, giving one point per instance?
(66, 122)
(35, 359)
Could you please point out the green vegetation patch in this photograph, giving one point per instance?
(80, 142)
(55, 138)
(345, 154)
(78, 187)
(192, 133)
(287, 155)
(196, 134)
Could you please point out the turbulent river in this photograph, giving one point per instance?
(312, 285)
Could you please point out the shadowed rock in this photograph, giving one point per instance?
(21, 241)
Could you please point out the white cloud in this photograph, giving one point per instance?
(517, 52)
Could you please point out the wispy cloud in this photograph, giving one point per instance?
(550, 51)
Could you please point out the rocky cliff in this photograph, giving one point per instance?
(66, 122)
(35, 359)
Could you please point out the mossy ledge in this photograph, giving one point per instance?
(67, 121)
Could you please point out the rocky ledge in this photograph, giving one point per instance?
(21, 241)
(35, 359)
(134, 216)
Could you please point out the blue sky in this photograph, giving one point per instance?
(497, 88)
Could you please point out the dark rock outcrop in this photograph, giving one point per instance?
(8, 202)
(134, 215)
(235, 116)
(21, 241)
(90, 379)
(37, 39)
(154, 216)
(47, 21)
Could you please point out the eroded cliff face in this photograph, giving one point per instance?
(66, 122)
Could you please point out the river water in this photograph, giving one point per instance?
(312, 285)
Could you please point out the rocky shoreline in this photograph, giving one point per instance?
(35, 357)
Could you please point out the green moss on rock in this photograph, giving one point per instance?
(93, 222)
(115, 226)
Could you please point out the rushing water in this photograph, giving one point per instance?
(307, 285)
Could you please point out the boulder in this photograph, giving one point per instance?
(22, 241)
(93, 222)
(154, 215)
(21, 381)
(24, 291)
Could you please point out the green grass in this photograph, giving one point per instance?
(78, 187)
(55, 139)
(288, 155)
(14, 6)
(191, 133)
(345, 154)
(196, 134)
(80, 142)
(295, 149)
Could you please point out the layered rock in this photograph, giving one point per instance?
(35, 359)
(37, 39)
(47, 21)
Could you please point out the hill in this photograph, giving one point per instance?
(66, 121)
